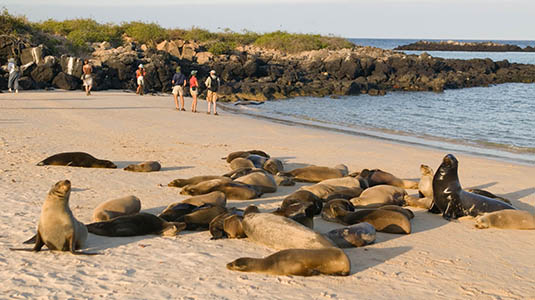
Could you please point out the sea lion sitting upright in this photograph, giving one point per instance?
(450, 198)
(76, 159)
(58, 229)
(506, 219)
(301, 262)
(316, 173)
(425, 189)
(134, 225)
(147, 166)
(110, 209)
(378, 177)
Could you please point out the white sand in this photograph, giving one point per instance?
(439, 259)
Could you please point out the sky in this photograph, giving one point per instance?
(412, 19)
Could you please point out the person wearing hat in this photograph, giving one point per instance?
(212, 83)
(193, 90)
(140, 77)
(179, 83)
(13, 80)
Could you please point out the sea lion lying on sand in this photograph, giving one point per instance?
(316, 173)
(147, 166)
(244, 154)
(76, 159)
(134, 225)
(506, 219)
(110, 209)
(379, 177)
(380, 195)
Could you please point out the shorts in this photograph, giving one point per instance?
(193, 91)
(211, 96)
(140, 80)
(178, 90)
(88, 80)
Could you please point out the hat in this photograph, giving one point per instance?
(212, 72)
(11, 59)
(193, 72)
(177, 69)
(140, 66)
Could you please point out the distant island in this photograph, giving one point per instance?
(463, 46)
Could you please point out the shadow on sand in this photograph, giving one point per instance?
(365, 258)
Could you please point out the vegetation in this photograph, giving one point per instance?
(77, 34)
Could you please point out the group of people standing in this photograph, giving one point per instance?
(180, 82)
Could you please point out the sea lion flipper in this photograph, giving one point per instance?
(85, 253)
(39, 243)
(22, 249)
(31, 240)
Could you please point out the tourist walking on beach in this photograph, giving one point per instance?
(212, 83)
(193, 90)
(140, 77)
(14, 74)
(179, 83)
(87, 77)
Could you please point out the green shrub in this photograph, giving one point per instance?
(219, 48)
(292, 42)
(144, 33)
(13, 25)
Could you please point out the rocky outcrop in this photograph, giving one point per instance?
(463, 46)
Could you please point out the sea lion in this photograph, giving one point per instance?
(407, 212)
(348, 194)
(316, 173)
(204, 187)
(301, 262)
(147, 166)
(232, 190)
(58, 229)
(425, 189)
(134, 225)
(264, 181)
(336, 209)
(305, 197)
(230, 157)
(175, 212)
(241, 162)
(200, 218)
(273, 166)
(215, 198)
(227, 224)
(383, 220)
(450, 198)
(380, 195)
(380, 177)
(193, 180)
(76, 159)
(324, 190)
(506, 219)
(488, 194)
(257, 160)
(283, 180)
(110, 209)
(278, 232)
(357, 235)
(302, 213)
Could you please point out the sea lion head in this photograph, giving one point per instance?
(173, 228)
(101, 163)
(251, 209)
(62, 189)
(240, 264)
(425, 170)
(481, 222)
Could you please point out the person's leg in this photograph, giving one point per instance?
(10, 81)
(16, 83)
(194, 102)
(175, 96)
(214, 99)
(209, 101)
(181, 92)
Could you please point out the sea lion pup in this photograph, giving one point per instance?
(283, 180)
(380, 195)
(138, 224)
(147, 166)
(302, 213)
(305, 197)
(76, 159)
(450, 198)
(244, 154)
(215, 198)
(506, 219)
(110, 209)
(316, 173)
(301, 262)
(336, 209)
(264, 181)
(204, 186)
(233, 190)
(425, 189)
(488, 194)
(357, 235)
(383, 220)
(278, 232)
(227, 224)
(193, 180)
(379, 177)
(58, 229)
(241, 162)
(200, 218)
(273, 166)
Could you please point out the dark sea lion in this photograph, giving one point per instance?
(378, 177)
(76, 159)
(348, 194)
(301, 262)
(58, 229)
(176, 211)
(257, 160)
(383, 220)
(407, 212)
(241, 162)
(193, 180)
(200, 218)
(316, 173)
(450, 198)
(305, 197)
(506, 219)
(273, 166)
(244, 154)
(147, 166)
(278, 232)
(110, 209)
(357, 235)
(488, 194)
(302, 213)
(335, 210)
(134, 225)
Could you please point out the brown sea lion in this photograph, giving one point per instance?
(204, 186)
(228, 224)
(264, 181)
(200, 218)
(305, 197)
(379, 177)
(214, 198)
(58, 229)
(244, 154)
(147, 166)
(506, 219)
(316, 173)
(233, 190)
(357, 235)
(335, 210)
(380, 195)
(384, 220)
(273, 166)
(134, 225)
(283, 180)
(241, 162)
(193, 180)
(76, 159)
(175, 212)
(302, 213)
(110, 209)
(301, 262)
(425, 189)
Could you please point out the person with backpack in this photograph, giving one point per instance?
(14, 75)
(140, 77)
(193, 90)
(179, 83)
(212, 83)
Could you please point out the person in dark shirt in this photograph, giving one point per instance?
(179, 83)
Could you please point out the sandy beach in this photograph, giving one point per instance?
(439, 260)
